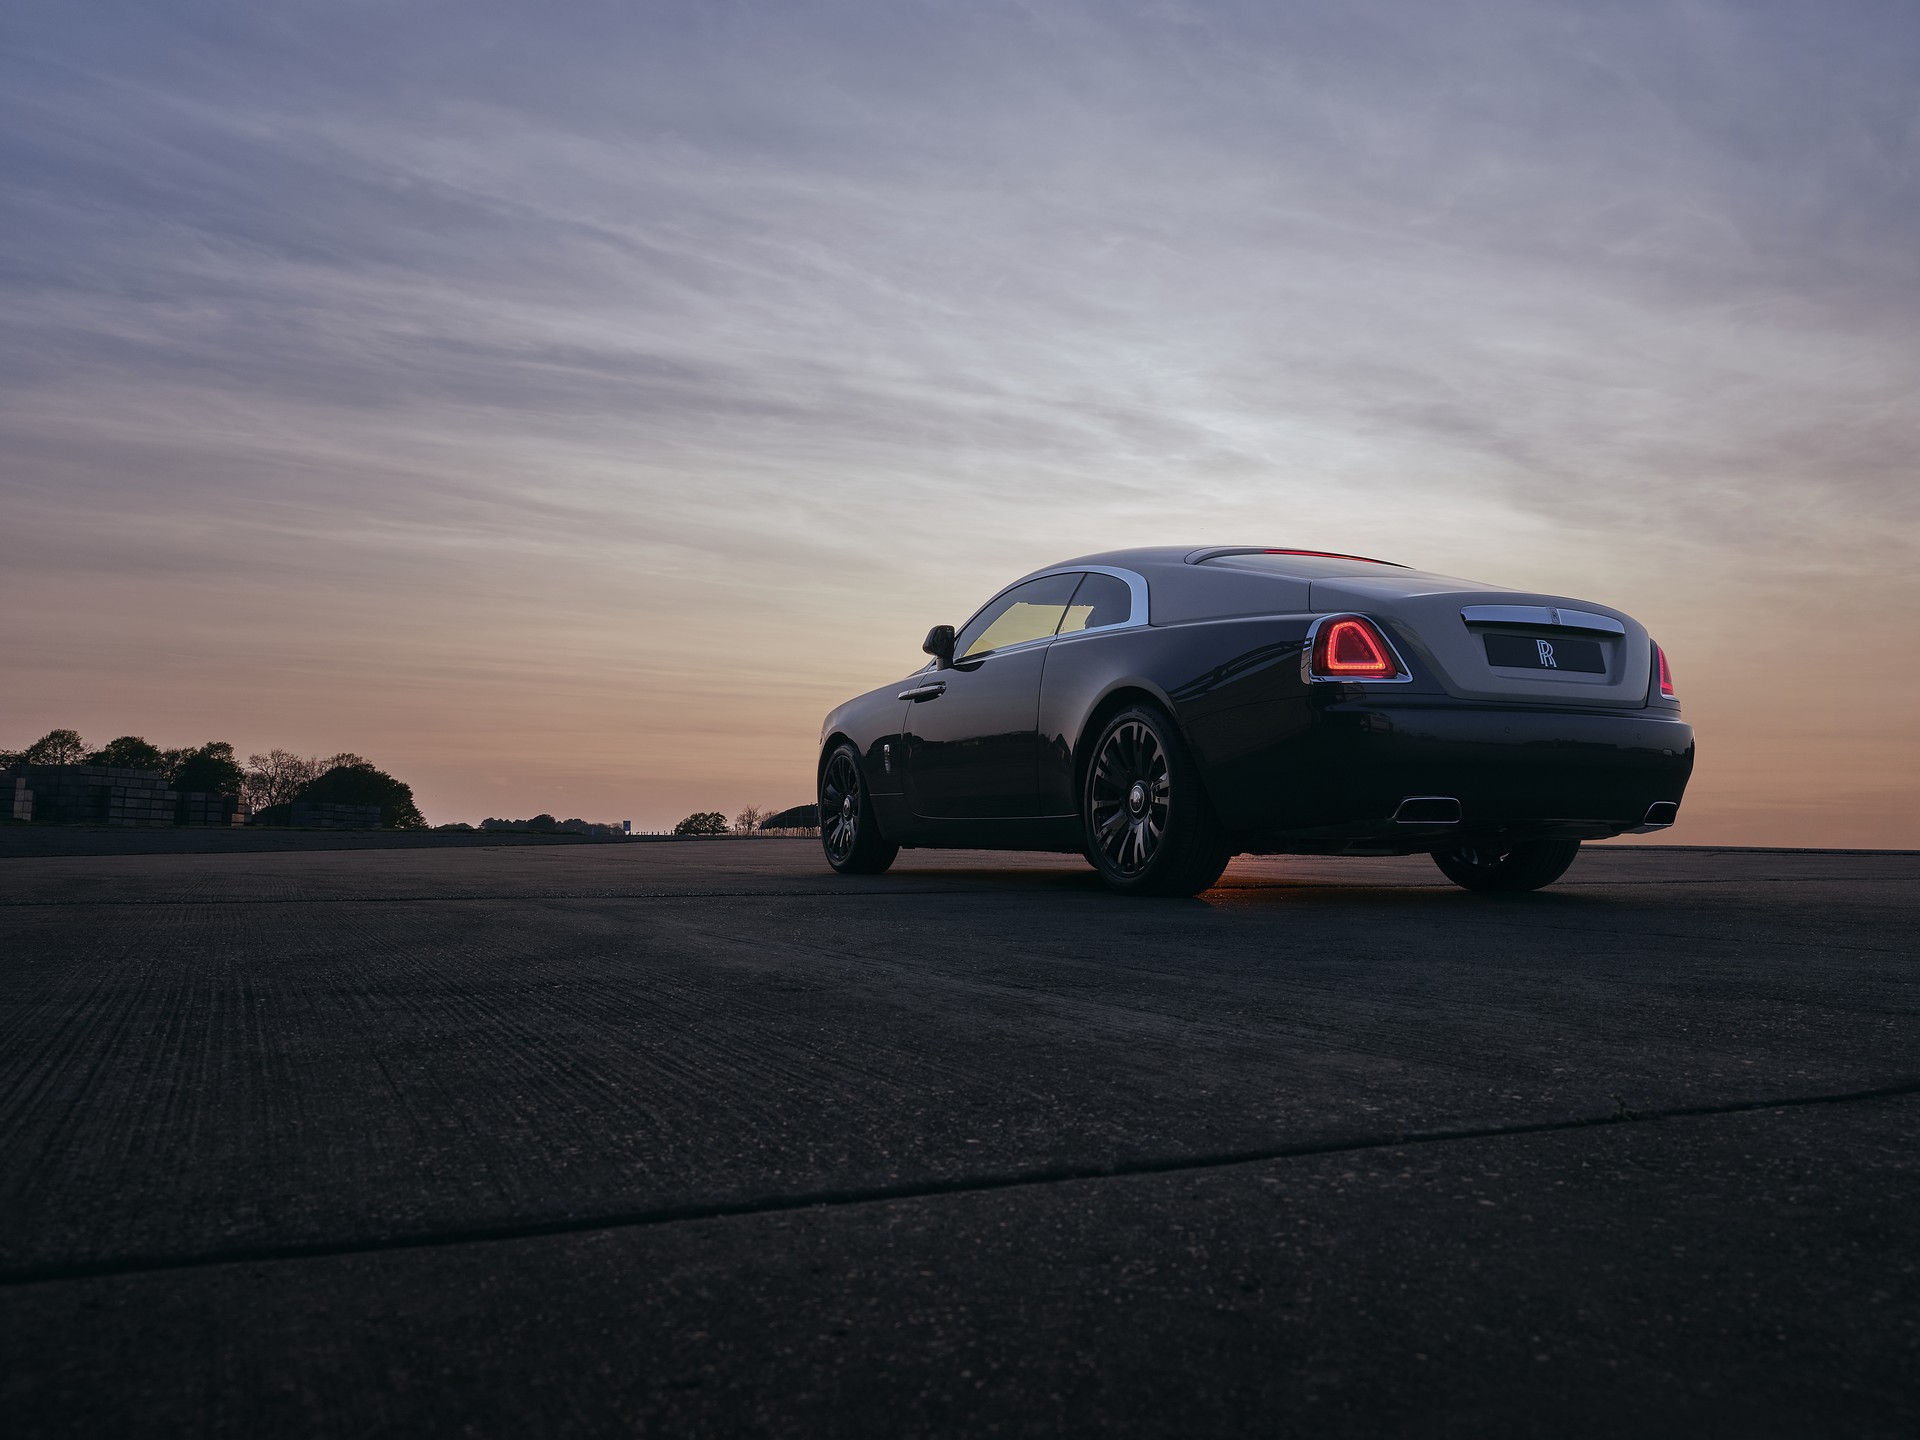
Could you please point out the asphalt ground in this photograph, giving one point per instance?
(37, 841)
(700, 1139)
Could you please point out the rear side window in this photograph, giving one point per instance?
(1032, 611)
(1100, 600)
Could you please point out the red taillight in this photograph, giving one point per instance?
(1329, 555)
(1352, 649)
(1666, 673)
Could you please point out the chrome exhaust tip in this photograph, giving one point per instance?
(1662, 813)
(1428, 810)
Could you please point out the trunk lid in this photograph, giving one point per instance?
(1484, 643)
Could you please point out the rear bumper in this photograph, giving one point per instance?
(1516, 774)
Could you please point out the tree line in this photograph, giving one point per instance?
(713, 822)
(276, 778)
(545, 825)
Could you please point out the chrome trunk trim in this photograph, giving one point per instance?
(1542, 617)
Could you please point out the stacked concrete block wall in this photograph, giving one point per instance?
(113, 795)
(141, 802)
(199, 808)
(75, 794)
(317, 815)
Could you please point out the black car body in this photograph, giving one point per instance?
(1457, 718)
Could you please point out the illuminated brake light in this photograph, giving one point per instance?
(1352, 649)
(1666, 673)
(1329, 555)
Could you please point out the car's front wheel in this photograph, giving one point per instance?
(1523, 866)
(848, 832)
(1149, 827)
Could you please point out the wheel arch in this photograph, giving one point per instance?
(834, 740)
(1117, 697)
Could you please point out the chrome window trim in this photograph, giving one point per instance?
(1308, 674)
(1136, 615)
(1013, 649)
(1136, 587)
(1542, 617)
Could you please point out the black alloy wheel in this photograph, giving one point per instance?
(1149, 827)
(848, 832)
(1525, 865)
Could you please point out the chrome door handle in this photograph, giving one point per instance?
(929, 691)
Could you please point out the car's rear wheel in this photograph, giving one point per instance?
(1149, 827)
(848, 832)
(1494, 866)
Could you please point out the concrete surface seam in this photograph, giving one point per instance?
(887, 894)
(519, 896)
(927, 1189)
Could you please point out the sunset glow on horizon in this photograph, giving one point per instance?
(564, 409)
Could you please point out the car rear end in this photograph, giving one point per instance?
(1447, 713)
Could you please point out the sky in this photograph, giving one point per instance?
(564, 406)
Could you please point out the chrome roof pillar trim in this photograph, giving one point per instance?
(1136, 585)
(1542, 617)
(1136, 617)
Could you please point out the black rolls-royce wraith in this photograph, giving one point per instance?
(1161, 710)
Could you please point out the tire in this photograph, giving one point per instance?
(1148, 826)
(1526, 866)
(849, 834)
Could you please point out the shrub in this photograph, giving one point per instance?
(129, 752)
(361, 784)
(211, 769)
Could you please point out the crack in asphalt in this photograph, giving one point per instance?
(136, 1264)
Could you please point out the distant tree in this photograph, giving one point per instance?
(747, 821)
(129, 752)
(278, 776)
(211, 769)
(702, 822)
(362, 784)
(544, 823)
(56, 747)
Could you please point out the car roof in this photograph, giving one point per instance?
(1301, 564)
(1188, 582)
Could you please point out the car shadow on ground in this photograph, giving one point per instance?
(1066, 876)
(1397, 887)
(1440, 899)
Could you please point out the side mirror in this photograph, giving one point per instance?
(939, 644)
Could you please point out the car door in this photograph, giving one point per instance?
(973, 744)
